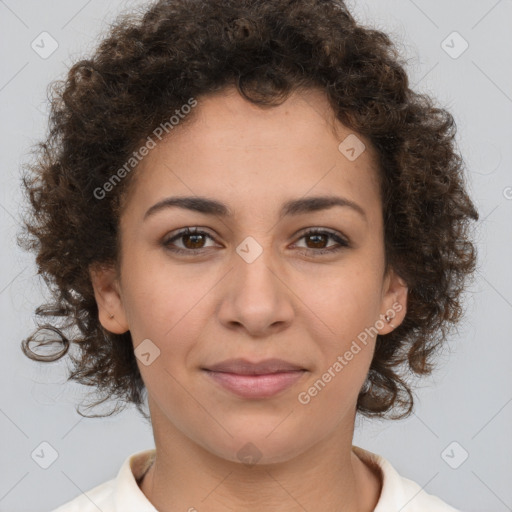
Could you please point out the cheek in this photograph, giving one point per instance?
(171, 314)
(154, 299)
(346, 299)
(344, 307)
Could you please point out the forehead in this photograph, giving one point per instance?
(252, 157)
(231, 120)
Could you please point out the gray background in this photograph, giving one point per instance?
(467, 401)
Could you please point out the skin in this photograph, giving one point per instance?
(201, 309)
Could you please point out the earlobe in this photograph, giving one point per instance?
(106, 288)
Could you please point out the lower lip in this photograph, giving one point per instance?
(256, 386)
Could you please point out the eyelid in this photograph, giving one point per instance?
(321, 230)
(195, 230)
(339, 238)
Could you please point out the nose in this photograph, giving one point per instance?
(256, 296)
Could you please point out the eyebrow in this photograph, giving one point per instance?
(290, 208)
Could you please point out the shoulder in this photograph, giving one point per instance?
(420, 501)
(120, 494)
(398, 492)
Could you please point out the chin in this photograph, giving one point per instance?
(260, 443)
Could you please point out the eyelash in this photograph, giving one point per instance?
(343, 243)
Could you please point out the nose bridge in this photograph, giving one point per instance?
(256, 296)
(255, 262)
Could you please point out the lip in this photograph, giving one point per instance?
(256, 386)
(245, 367)
(259, 380)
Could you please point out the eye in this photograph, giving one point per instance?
(318, 237)
(193, 241)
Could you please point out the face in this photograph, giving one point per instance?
(269, 273)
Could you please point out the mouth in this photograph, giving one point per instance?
(245, 367)
(255, 380)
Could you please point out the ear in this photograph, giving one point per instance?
(107, 293)
(394, 301)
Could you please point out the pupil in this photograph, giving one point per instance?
(317, 237)
(188, 237)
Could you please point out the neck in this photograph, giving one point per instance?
(329, 477)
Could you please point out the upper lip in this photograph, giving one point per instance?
(245, 367)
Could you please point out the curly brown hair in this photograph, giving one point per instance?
(152, 63)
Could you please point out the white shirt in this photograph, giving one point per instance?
(123, 494)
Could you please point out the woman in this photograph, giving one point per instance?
(247, 214)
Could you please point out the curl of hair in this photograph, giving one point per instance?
(151, 64)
